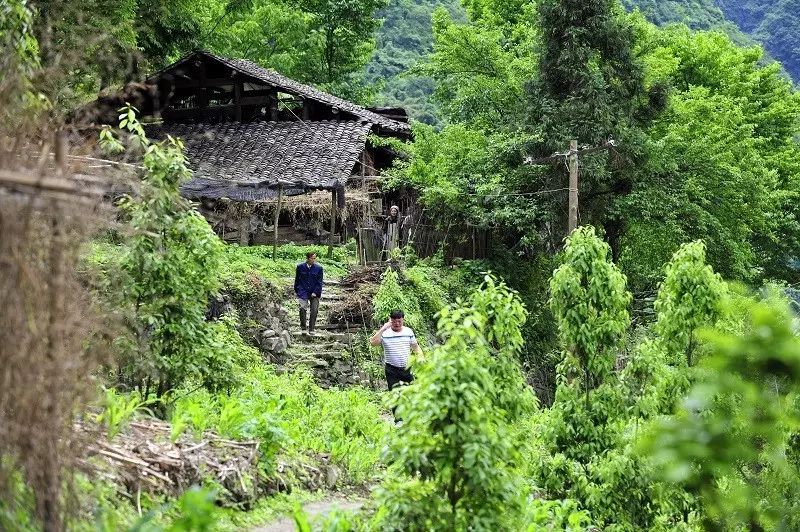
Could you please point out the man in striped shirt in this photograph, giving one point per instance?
(398, 341)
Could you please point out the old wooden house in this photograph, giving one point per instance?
(273, 159)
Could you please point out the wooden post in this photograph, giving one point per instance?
(333, 223)
(237, 99)
(244, 225)
(61, 152)
(202, 91)
(474, 251)
(573, 187)
(275, 227)
(360, 242)
(306, 108)
(273, 105)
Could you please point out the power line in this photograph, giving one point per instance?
(537, 193)
(558, 156)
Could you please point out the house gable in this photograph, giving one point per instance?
(204, 87)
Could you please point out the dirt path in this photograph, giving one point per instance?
(313, 510)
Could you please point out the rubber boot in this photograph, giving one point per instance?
(302, 319)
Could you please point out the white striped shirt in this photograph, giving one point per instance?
(397, 346)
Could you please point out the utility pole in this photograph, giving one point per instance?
(571, 157)
(572, 222)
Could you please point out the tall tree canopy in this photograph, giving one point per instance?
(706, 136)
(90, 45)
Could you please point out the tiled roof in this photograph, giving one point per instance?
(307, 91)
(248, 161)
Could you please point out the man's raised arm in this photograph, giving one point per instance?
(376, 338)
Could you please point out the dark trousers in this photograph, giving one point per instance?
(313, 302)
(395, 376)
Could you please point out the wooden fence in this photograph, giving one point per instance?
(466, 242)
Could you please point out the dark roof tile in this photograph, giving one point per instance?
(248, 161)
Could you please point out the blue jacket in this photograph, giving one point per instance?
(307, 280)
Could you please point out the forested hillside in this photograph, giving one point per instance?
(773, 24)
(698, 14)
(402, 41)
(405, 38)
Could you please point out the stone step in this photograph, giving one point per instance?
(322, 346)
(315, 360)
(333, 327)
(320, 336)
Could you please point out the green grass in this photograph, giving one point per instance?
(265, 511)
(293, 417)
(244, 268)
(245, 271)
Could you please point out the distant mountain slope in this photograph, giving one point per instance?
(775, 24)
(404, 38)
(697, 14)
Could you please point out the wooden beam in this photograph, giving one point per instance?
(209, 82)
(211, 112)
(260, 101)
(275, 228)
(196, 112)
(61, 184)
(259, 92)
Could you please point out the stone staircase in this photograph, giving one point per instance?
(328, 352)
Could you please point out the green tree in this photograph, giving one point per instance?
(272, 34)
(586, 454)
(455, 441)
(722, 161)
(590, 304)
(19, 63)
(346, 30)
(691, 297)
(727, 443)
(319, 42)
(169, 267)
(590, 87)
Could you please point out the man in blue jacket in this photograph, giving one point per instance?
(308, 287)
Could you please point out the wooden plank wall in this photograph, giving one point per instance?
(466, 242)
